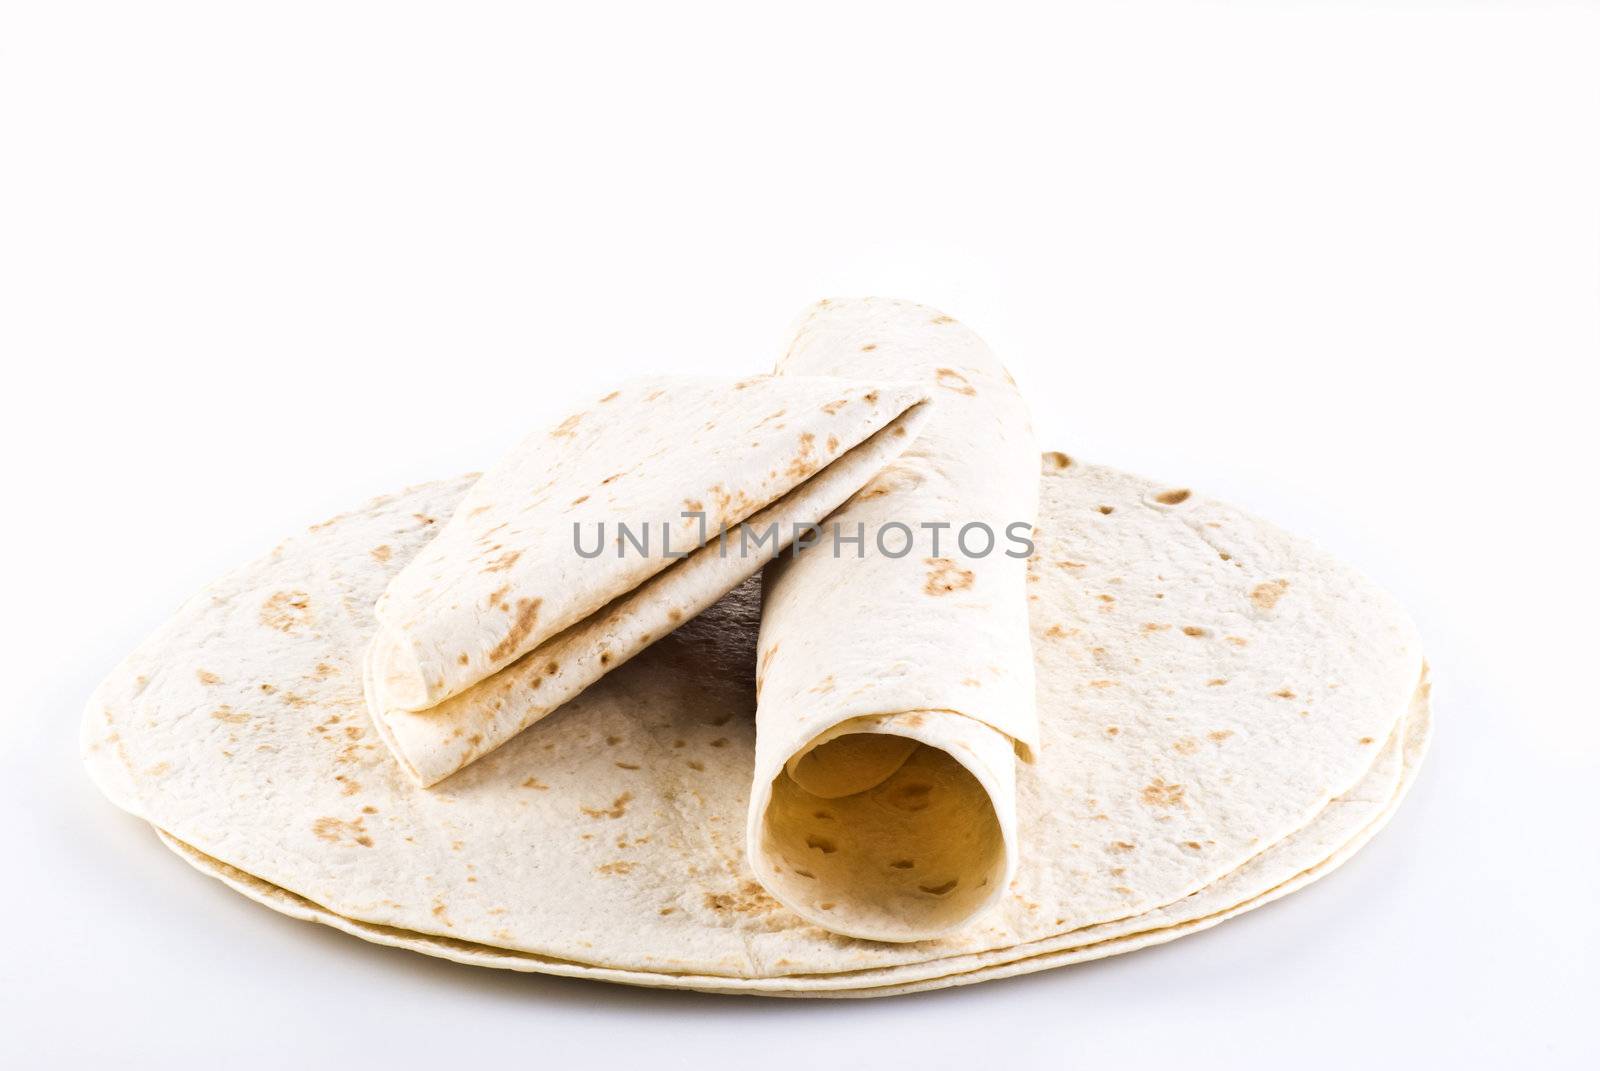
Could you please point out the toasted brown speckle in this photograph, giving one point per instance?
(527, 615)
(945, 577)
(618, 808)
(1159, 793)
(286, 611)
(1266, 595)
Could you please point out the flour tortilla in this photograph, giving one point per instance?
(1335, 835)
(895, 687)
(500, 619)
(611, 833)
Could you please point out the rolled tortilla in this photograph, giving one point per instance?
(532, 591)
(896, 688)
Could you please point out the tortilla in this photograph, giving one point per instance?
(1303, 857)
(609, 836)
(505, 615)
(895, 679)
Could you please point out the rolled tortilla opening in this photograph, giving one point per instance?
(891, 828)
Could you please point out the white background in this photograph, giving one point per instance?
(1338, 263)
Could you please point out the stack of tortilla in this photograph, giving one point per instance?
(1164, 713)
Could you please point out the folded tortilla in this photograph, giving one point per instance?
(895, 675)
(1208, 738)
(598, 536)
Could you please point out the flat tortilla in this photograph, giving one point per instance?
(610, 834)
(1342, 829)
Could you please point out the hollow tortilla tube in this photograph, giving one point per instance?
(505, 616)
(895, 674)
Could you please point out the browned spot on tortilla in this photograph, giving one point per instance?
(611, 397)
(207, 677)
(567, 426)
(534, 782)
(942, 319)
(1151, 626)
(750, 899)
(805, 462)
(618, 866)
(1266, 595)
(1159, 793)
(503, 562)
(380, 553)
(869, 347)
(1121, 847)
(627, 766)
(1102, 684)
(1186, 746)
(1365, 740)
(1219, 735)
(1284, 693)
(350, 786)
(833, 407)
(439, 913)
(580, 500)
(1112, 730)
(1216, 682)
(527, 614)
(951, 380)
(1173, 497)
(618, 808)
(323, 671)
(1237, 641)
(286, 610)
(1195, 630)
(334, 830)
(1055, 461)
(228, 714)
(158, 769)
(946, 577)
(696, 765)
(833, 444)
